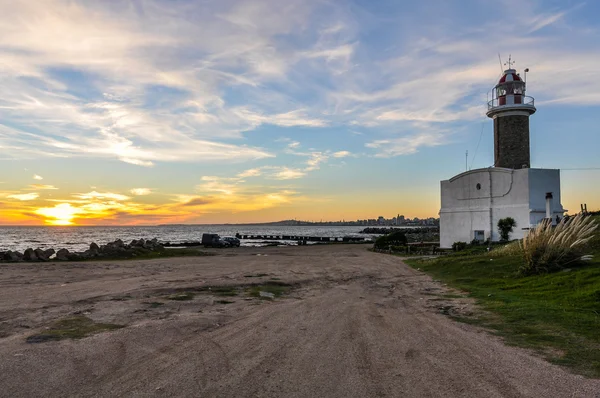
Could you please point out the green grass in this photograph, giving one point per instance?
(276, 288)
(183, 296)
(557, 314)
(255, 275)
(224, 291)
(72, 328)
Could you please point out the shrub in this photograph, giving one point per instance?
(396, 238)
(458, 246)
(547, 248)
(505, 227)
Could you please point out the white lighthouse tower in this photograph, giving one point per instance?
(474, 201)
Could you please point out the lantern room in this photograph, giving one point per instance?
(509, 94)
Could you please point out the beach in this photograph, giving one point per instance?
(297, 321)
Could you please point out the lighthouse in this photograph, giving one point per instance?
(472, 202)
(510, 109)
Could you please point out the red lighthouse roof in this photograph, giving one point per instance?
(510, 75)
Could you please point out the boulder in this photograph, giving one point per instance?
(49, 252)
(140, 243)
(119, 243)
(11, 256)
(74, 256)
(29, 255)
(62, 255)
(94, 247)
(41, 256)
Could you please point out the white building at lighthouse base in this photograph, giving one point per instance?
(474, 201)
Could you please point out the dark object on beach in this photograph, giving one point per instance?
(233, 242)
(213, 240)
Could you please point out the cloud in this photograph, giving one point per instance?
(37, 177)
(101, 195)
(42, 186)
(407, 145)
(198, 202)
(341, 154)
(140, 191)
(286, 173)
(250, 173)
(24, 196)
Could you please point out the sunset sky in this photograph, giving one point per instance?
(150, 112)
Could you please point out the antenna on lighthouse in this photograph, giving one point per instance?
(467, 160)
(500, 60)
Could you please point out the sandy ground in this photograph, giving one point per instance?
(355, 324)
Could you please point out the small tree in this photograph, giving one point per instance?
(505, 227)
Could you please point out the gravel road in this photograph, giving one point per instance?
(352, 324)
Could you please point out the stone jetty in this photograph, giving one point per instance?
(115, 249)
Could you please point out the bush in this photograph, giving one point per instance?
(396, 238)
(547, 248)
(505, 227)
(458, 246)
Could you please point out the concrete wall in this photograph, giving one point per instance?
(542, 181)
(477, 199)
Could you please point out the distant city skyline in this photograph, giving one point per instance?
(248, 111)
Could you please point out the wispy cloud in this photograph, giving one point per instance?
(42, 186)
(37, 177)
(140, 191)
(24, 196)
(286, 173)
(101, 195)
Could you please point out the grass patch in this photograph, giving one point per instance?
(72, 328)
(276, 288)
(558, 312)
(223, 291)
(255, 275)
(183, 296)
(122, 298)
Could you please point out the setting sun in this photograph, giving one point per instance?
(61, 214)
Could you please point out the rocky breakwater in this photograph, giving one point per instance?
(413, 234)
(116, 249)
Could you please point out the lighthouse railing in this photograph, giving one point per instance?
(501, 101)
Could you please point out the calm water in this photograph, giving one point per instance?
(79, 238)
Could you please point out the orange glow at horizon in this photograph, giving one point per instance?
(61, 214)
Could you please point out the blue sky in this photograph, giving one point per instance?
(240, 111)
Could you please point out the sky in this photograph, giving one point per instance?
(124, 112)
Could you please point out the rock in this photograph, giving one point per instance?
(41, 256)
(62, 255)
(119, 243)
(154, 241)
(49, 252)
(73, 256)
(94, 247)
(133, 243)
(140, 243)
(11, 256)
(29, 255)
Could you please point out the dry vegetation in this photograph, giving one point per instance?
(547, 248)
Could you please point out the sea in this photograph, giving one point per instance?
(79, 238)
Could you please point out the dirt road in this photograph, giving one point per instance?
(351, 324)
